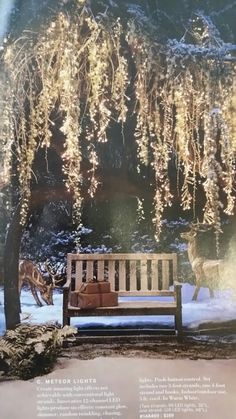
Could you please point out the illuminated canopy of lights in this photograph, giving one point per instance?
(183, 96)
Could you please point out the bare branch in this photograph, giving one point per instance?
(225, 9)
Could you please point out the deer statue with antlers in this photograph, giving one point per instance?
(30, 274)
(207, 271)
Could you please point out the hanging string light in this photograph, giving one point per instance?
(183, 106)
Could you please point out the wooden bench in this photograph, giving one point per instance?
(137, 274)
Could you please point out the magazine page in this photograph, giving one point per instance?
(117, 221)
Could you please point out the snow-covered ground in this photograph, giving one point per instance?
(219, 309)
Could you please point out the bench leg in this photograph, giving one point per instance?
(178, 315)
(179, 326)
(66, 318)
(66, 321)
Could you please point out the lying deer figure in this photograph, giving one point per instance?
(30, 274)
(207, 271)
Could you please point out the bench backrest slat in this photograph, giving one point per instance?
(136, 272)
(165, 274)
(78, 273)
(122, 275)
(111, 273)
(100, 269)
(154, 275)
(143, 276)
(89, 270)
(133, 275)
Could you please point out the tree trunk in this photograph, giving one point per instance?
(11, 268)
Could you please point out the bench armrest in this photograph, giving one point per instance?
(177, 284)
(177, 290)
(67, 284)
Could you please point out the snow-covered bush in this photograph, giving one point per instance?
(29, 350)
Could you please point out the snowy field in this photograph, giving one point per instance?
(219, 309)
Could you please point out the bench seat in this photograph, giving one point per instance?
(136, 308)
